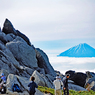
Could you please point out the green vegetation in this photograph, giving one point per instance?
(72, 92)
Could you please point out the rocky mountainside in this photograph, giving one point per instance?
(81, 50)
(19, 59)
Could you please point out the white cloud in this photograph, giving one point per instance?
(71, 60)
(64, 64)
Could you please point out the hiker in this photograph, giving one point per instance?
(3, 78)
(65, 84)
(3, 83)
(32, 86)
(58, 83)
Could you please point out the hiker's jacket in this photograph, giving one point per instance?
(57, 83)
(65, 82)
(32, 86)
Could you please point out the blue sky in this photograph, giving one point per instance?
(52, 25)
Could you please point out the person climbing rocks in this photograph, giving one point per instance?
(65, 84)
(32, 85)
(58, 84)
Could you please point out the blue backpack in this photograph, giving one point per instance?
(15, 88)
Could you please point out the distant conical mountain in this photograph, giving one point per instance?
(81, 50)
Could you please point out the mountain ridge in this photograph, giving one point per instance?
(81, 50)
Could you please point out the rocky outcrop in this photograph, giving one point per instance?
(90, 81)
(23, 53)
(76, 87)
(43, 62)
(8, 28)
(78, 77)
(19, 60)
(41, 80)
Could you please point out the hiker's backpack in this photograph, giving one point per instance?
(3, 90)
(15, 88)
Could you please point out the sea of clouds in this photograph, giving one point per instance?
(64, 64)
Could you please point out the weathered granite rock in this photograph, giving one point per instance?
(23, 53)
(24, 81)
(29, 70)
(11, 79)
(8, 56)
(3, 37)
(8, 63)
(43, 62)
(41, 80)
(78, 77)
(10, 37)
(76, 87)
(24, 37)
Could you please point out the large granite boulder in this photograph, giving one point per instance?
(3, 37)
(41, 80)
(7, 60)
(11, 79)
(23, 53)
(78, 77)
(76, 87)
(43, 62)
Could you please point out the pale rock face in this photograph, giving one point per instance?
(41, 80)
(11, 79)
(23, 53)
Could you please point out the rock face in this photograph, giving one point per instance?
(23, 53)
(78, 77)
(19, 60)
(41, 80)
(43, 62)
(90, 82)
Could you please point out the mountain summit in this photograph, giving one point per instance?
(81, 50)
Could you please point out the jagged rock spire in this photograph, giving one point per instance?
(8, 27)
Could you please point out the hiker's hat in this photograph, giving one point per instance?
(2, 74)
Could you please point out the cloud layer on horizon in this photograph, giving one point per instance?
(64, 64)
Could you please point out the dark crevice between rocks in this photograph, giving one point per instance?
(22, 86)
